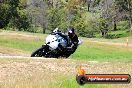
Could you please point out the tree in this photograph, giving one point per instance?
(129, 5)
(4, 11)
(37, 11)
(13, 15)
(125, 7)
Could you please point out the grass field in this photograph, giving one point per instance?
(87, 51)
(59, 73)
(28, 73)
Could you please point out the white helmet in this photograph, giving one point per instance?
(56, 30)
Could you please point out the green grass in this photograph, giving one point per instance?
(92, 51)
(87, 51)
(48, 81)
(71, 83)
(20, 44)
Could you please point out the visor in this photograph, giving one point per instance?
(70, 31)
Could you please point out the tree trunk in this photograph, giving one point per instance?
(44, 28)
(130, 17)
(102, 33)
(88, 4)
(115, 26)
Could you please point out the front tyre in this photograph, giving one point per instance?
(38, 53)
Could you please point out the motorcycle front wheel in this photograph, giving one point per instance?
(40, 51)
(37, 53)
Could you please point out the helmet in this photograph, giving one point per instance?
(71, 31)
(56, 30)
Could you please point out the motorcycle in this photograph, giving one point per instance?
(55, 47)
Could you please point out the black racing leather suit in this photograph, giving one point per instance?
(74, 41)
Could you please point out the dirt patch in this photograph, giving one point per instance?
(21, 36)
(29, 68)
(1, 54)
(116, 44)
(6, 51)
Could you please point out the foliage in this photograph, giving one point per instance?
(123, 25)
(4, 14)
(35, 29)
(101, 16)
(57, 18)
(117, 34)
(83, 27)
(13, 16)
(22, 22)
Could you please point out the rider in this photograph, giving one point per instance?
(57, 31)
(72, 45)
(74, 40)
